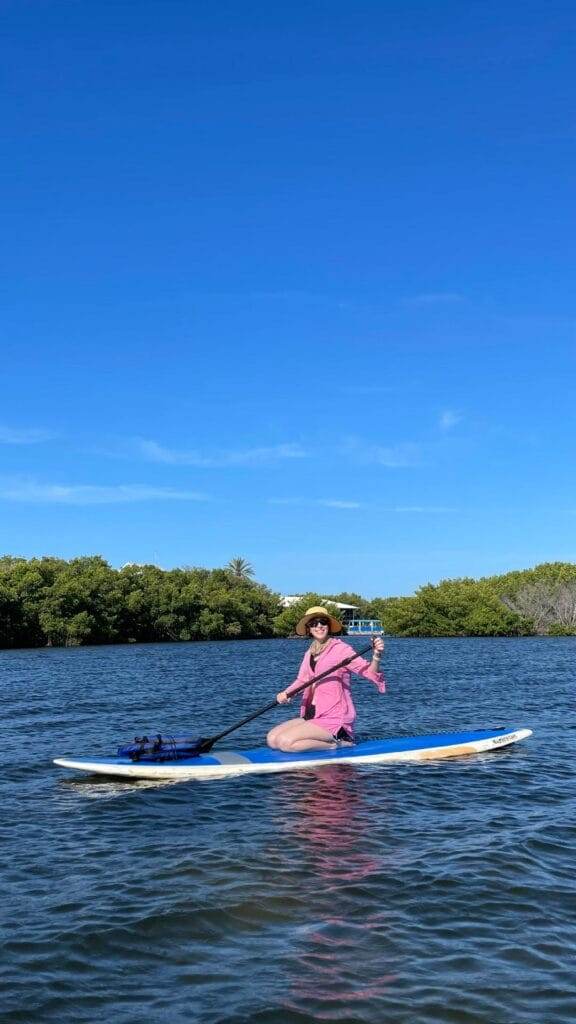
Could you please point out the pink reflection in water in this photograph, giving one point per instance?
(331, 817)
(339, 958)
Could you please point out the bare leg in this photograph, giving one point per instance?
(297, 735)
(274, 736)
(280, 732)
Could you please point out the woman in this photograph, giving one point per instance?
(327, 712)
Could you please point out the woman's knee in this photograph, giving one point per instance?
(272, 737)
(288, 741)
(278, 737)
(285, 744)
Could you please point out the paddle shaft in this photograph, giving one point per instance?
(209, 743)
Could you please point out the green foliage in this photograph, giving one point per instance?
(85, 601)
(549, 573)
(556, 629)
(48, 601)
(461, 607)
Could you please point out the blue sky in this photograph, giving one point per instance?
(294, 283)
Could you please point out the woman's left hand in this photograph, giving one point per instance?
(378, 645)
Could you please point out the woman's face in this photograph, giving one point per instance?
(319, 628)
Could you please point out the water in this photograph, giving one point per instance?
(434, 893)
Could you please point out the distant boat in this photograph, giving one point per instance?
(363, 627)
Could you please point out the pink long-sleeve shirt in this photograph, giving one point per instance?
(332, 696)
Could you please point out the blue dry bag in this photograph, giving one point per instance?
(161, 748)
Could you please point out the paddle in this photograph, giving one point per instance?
(205, 745)
(167, 748)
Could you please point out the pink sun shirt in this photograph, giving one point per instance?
(332, 695)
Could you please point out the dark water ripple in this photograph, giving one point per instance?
(431, 894)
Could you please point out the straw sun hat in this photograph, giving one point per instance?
(312, 613)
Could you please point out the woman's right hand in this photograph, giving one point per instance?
(282, 697)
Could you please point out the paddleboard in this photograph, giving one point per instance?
(219, 764)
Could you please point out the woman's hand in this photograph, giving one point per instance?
(282, 697)
(378, 645)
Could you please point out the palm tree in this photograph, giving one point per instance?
(240, 568)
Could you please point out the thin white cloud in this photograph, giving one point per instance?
(338, 504)
(449, 418)
(155, 452)
(32, 492)
(334, 503)
(420, 509)
(26, 435)
(394, 456)
(315, 502)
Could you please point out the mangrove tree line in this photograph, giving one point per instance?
(48, 601)
(53, 602)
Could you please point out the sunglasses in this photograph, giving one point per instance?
(318, 622)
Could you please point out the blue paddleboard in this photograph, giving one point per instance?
(220, 763)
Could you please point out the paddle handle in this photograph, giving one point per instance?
(274, 703)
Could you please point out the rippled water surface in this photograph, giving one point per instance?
(436, 893)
